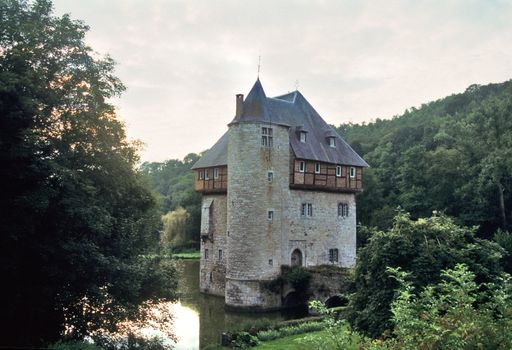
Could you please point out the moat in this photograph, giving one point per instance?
(200, 319)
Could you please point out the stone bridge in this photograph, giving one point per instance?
(327, 284)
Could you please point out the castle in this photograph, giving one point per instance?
(278, 189)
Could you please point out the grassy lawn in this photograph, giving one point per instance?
(288, 343)
(297, 342)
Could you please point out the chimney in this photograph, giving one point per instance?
(239, 105)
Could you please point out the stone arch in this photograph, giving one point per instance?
(293, 299)
(336, 300)
(296, 258)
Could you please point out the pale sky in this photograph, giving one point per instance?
(184, 61)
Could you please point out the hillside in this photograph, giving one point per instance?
(451, 155)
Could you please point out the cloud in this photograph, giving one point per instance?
(183, 61)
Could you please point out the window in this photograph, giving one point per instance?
(220, 254)
(206, 177)
(200, 172)
(216, 173)
(266, 137)
(307, 209)
(270, 215)
(271, 262)
(333, 255)
(317, 168)
(338, 171)
(206, 254)
(302, 166)
(270, 176)
(332, 142)
(352, 172)
(302, 136)
(343, 209)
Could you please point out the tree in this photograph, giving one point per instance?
(456, 313)
(76, 217)
(173, 182)
(423, 248)
(174, 231)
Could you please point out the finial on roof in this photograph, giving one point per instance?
(259, 65)
(297, 85)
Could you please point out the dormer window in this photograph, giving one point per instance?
(302, 136)
(332, 142)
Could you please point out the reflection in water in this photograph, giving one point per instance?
(199, 319)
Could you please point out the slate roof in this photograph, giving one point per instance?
(294, 111)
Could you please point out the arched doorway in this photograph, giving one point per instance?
(297, 258)
(336, 300)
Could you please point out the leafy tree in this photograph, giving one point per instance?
(174, 231)
(456, 313)
(76, 218)
(173, 181)
(423, 248)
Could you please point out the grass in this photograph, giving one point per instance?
(187, 255)
(289, 343)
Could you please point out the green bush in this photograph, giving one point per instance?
(244, 340)
(447, 315)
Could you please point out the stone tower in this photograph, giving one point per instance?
(258, 158)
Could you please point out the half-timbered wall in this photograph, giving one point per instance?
(211, 180)
(326, 178)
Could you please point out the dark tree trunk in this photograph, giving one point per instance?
(501, 199)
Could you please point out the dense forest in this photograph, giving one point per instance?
(452, 155)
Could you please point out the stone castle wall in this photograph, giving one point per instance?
(254, 241)
(253, 245)
(213, 244)
(324, 230)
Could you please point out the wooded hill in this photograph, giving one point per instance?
(452, 155)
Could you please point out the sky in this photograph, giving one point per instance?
(183, 62)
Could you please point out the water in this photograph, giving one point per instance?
(199, 319)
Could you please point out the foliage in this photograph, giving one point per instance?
(73, 345)
(451, 155)
(424, 248)
(173, 182)
(456, 313)
(174, 228)
(297, 276)
(504, 239)
(76, 217)
(300, 328)
(244, 340)
(339, 335)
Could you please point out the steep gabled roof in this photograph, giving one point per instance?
(215, 156)
(294, 111)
